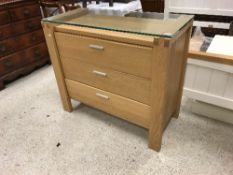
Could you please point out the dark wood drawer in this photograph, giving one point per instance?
(17, 28)
(4, 17)
(13, 44)
(16, 60)
(25, 12)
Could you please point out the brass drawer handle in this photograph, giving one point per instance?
(99, 73)
(102, 96)
(93, 46)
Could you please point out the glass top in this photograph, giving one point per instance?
(158, 24)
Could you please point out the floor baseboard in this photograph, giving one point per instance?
(212, 111)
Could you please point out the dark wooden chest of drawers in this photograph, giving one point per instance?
(22, 43)
(153, 5)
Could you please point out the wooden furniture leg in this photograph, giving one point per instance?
(45, 13)
(54, 56)
(84, 3)
(60, 8)
(111, 3)
(159, 100)
(1, 85)
(231, 29)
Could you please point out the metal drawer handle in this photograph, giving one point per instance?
(102, 96)
(93, 46)
(26, 12)
(99, 73)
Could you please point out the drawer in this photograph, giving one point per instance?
(16, 60)
(122, 107)
(21, 27)
(116, 82)
(13, 44)
(25, 12)
(4, 17)
(122, 57)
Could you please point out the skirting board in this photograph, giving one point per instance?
(209, 98)
(212, 111)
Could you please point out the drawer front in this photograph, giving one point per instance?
(122, 107)
(14, 61)
(122, 57)
(25, 12)
(123, 84)
(13, 44)
(17, 28)
(4, 17)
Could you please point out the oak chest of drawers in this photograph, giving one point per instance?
(132, 71)
(22, 43)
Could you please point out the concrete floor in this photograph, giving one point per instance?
(32, 123)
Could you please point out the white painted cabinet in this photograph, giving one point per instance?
(212, 7)
(209, 84)
(212, 83)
